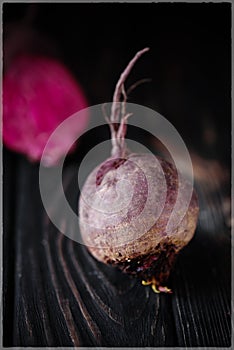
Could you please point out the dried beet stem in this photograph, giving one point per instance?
(137, 83)
(118, 109)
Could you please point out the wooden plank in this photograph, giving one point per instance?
(202, 294)
(56, 294)
(64, 297)
(202, 278)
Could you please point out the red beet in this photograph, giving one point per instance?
(38, 94)
(126, 203)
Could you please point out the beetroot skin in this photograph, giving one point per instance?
(129, 236)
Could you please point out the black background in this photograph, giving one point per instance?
(189, 60)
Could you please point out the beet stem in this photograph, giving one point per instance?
(117, 136)
(137, 83)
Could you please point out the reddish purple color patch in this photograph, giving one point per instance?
(38, 94)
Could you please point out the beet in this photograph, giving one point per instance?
(39, 93)
(126, 203)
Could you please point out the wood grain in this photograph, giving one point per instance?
(61, 296)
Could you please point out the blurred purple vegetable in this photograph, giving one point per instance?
(38, 94)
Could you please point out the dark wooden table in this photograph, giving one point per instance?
(56, 294)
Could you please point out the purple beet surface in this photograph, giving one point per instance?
(126, 202)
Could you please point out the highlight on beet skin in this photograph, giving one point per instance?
(39, 93)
